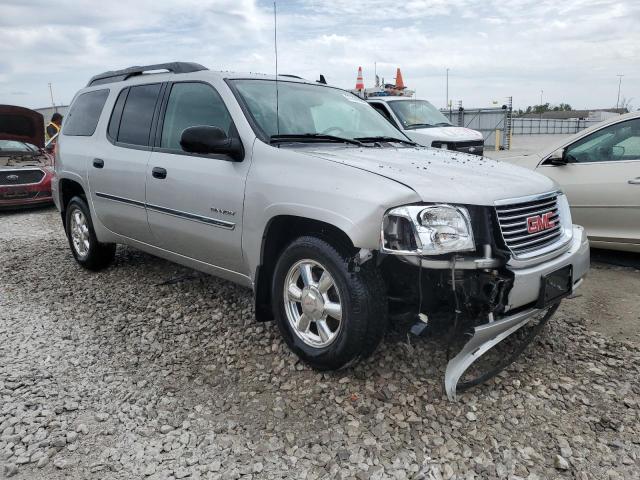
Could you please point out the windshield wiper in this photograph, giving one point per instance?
(443, 124)
(417, 125)
(312, 137)
(384, 139)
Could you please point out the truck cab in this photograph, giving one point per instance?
(426, 125)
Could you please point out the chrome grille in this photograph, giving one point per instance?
(514, 224)
(20, 177)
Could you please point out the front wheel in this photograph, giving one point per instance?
(86, 248)
(329, 316)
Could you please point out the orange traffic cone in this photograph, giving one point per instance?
(359, 81)
(399, 82)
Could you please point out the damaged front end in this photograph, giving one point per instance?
(449, 268)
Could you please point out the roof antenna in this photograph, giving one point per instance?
(275, 46)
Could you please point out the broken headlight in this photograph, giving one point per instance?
(427, 230)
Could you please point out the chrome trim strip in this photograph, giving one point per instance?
(169, 211)
(532, 236)
(524, 216)
(530, 198)
(128, 201)
(519, 209)
(194, 217)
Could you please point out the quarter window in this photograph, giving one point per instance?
(135, 125)
(83, 117)
(620, 141)
(191, 105)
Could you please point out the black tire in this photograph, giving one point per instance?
(362, 294)
(99, 255)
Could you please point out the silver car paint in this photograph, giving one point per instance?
(348, 187)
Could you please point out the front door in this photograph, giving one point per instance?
(194, 202)
(602, 182)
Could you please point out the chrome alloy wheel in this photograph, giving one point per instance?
(79, 233)
(312, 303)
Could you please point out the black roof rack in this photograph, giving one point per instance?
(121, 75)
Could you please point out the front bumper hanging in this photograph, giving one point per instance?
(525, 291)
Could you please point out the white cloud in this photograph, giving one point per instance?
(572, 49)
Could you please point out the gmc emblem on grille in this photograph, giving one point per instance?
(538, 223)
(12, 178)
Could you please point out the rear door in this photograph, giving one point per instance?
(195, 204)
(602, 182)
(117, 171)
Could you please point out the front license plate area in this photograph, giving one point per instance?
(555, 286)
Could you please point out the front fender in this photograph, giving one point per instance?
(286, 182)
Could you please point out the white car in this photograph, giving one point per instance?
(426, 125)
(599, 170)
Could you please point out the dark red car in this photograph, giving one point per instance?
(26, 168)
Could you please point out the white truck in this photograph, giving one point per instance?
(426, 125)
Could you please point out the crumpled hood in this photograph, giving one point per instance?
(441, 175)
(22, 125)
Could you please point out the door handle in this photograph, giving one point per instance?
(634, 181)
(159, 172)
(98, 162)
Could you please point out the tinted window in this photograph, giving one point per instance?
(137, 114)
(116, 115)
(383, 111)
(85, 113)
(190, 105)
(620, 141)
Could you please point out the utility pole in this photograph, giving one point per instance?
(448, 105)
(53, 104)
(619, 75)
(541, 93)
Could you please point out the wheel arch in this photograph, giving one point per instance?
(279, 232)
(68, 189)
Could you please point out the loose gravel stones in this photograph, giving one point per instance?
(123, 375)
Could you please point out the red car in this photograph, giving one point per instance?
(26, 168)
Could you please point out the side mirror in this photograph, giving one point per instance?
(206, 139)
(557, 158)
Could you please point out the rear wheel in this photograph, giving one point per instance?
(330, 317)
(86, 248)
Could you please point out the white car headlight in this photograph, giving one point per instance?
(427, 230)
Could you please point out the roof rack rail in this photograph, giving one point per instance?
(121, 75)
(290, 76)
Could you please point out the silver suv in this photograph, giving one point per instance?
(304, 193)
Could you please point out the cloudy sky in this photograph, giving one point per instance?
(570, 49)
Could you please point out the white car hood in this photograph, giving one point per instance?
(445, 134)
(441, 175)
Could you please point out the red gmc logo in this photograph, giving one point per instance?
(538, 223)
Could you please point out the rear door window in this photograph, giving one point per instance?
(137, 115)
(85, 112)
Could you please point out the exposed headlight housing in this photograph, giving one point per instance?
(427, 230)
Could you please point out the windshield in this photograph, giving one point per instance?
(14, 146)
(312, 110)
(418, 114)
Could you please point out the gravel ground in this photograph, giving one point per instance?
(117, 375)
